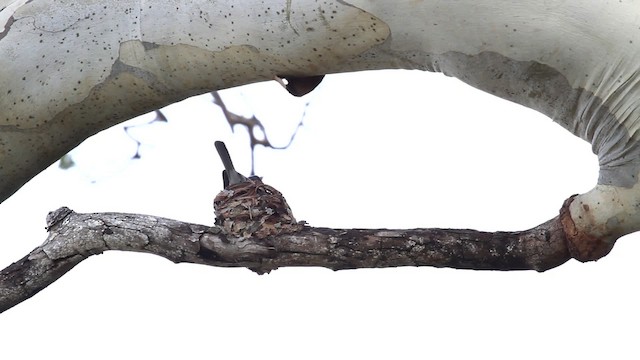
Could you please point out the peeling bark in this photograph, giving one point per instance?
(74, 237)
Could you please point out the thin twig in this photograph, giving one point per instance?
(252, 124)
(159, 118)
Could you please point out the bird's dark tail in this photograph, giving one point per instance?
(224, 155)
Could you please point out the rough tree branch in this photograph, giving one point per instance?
(73, 237)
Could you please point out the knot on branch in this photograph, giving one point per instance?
(56, 216)
(582, 246)
(254, 209)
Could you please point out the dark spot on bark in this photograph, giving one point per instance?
(208, 254)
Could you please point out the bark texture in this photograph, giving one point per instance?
(74, 237)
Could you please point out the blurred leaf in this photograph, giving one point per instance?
(66, 162)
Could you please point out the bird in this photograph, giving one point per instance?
(229, 175)
(299, 85)
(247, 207)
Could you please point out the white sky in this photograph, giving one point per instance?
(392, 149)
